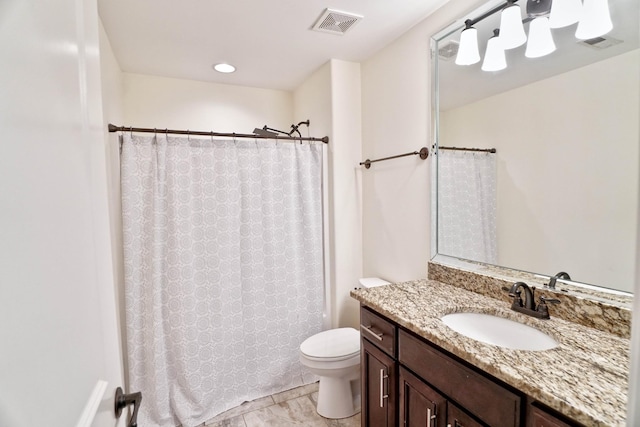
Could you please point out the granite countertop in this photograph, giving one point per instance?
(585, 377)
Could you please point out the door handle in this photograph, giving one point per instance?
(124, 400)
(382, 395)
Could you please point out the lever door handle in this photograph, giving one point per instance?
(124, 400)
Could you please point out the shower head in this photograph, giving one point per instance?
(270, 132)
(264, 132)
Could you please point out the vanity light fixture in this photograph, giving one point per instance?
(540, 39)
(468, 52)
(595, 20)
(224, 68)
(564, 13)
(494, 57)
(511, 29)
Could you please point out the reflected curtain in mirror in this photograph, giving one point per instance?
(467, 205)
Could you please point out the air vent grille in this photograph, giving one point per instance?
(449, 51)
(600, 43)
(336, 22)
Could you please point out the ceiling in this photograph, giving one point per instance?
(269, 41)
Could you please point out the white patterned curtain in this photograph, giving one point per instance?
(467, 205)
(223, 271)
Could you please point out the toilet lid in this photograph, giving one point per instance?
(332, 343)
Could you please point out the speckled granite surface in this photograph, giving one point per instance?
(585, 377)
(606, 312)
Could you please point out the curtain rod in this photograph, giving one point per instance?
(424, 153)
(486, 150)
(114, 128)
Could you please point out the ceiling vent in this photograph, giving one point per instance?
(336, 22)
(449, 50)
(600, 43)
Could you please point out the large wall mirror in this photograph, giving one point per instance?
(551, 181)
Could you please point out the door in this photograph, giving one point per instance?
(379, 393)
(58, 325)
(419, 404)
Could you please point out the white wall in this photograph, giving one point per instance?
(113, 111)
(57, 311)
(555, 157)
(396, 98)
(161, 102)
(346, 194)
(330, 99)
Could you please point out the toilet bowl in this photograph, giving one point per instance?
(334, 356)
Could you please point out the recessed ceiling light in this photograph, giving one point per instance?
(224, 68)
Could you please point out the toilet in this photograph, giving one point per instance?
(334, 356)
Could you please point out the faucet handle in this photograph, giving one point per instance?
(542, 307)
(544, 300)
(517, 299)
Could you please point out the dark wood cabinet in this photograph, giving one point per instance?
(479, 395)
(456, 417)
(408, 381)
(539, 416)
(419, 404)
(379, 387)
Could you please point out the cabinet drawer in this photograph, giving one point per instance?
(378, 330)
(487, 400)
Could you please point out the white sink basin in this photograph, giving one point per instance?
(499, 331)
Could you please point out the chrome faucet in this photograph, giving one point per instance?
(528, 306)
(561, 275)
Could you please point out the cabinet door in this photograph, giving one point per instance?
(541, 418)
(419, 404)
(458, 418)
(379, 387)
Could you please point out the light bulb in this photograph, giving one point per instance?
(511, 29)
(540, 39)
(468, 52)
(595, 20)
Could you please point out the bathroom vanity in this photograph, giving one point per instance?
(416, 371)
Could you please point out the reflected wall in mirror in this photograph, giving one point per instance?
(561, 191)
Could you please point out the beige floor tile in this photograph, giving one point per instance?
(345, 422)
(229, 422)
(295, 412)
(295, 392)
(242, 409)
(314, 398)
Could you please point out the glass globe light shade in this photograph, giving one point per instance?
(564, 13)
(511, 29)
(595, 20)
(468, 52)
(540, 39)
(494, 57)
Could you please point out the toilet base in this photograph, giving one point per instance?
(336, 397)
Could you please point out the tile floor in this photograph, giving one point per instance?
(295, 407)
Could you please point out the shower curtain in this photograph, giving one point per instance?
(467, 205)
(223, 271)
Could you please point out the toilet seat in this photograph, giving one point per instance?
(332, 345)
